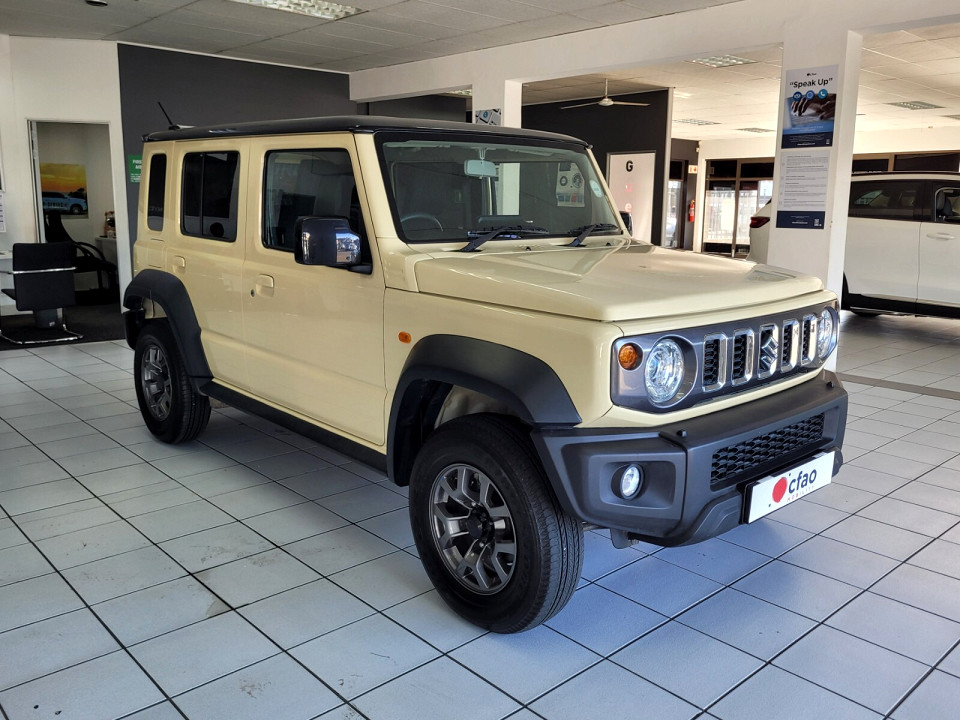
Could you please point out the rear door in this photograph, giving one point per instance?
(883, 239)
(313, 334)
(205, 250)
(940, 247)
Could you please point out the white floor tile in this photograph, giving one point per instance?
(295, 616)
(184, 659)
(159, 609)
(364, 655)
(110, 686)
(50, 645)
(277, 688)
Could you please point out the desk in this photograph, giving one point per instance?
(108, 246)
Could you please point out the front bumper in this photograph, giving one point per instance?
(694, 472)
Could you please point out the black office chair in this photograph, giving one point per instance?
(42, 282)
(87, 258)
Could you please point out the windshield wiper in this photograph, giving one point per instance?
(583, 232)
(481, 236)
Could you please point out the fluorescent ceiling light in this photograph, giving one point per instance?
(915, 105)
(313, 8)
(694, 121)
(719, 61)
(755, 130)
(466, 92)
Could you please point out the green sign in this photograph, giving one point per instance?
(134, 167)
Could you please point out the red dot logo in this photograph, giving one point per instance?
(780, 489)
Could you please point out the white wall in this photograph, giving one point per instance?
(51, 80)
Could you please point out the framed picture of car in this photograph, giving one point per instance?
(64, 188)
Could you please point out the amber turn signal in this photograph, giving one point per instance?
(404, 337)
(629, 356)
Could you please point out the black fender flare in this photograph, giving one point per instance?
(524, 383)
(169, 293)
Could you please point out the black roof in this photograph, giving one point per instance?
(351, 123)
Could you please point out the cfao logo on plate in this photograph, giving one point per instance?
(800, 483)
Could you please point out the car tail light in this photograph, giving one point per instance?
(758, 221)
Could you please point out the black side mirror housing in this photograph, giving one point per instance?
(330, 242)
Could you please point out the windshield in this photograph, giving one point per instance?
(445, 188)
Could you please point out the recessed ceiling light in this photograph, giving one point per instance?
(719, 61)
(915, 105)
(313, 8)
(97, 3)
(755, 130)
(694, 121)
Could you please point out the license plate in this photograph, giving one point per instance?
(775, 491)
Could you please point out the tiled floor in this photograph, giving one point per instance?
(255, 574)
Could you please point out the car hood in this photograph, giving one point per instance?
(608, 284)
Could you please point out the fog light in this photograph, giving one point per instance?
(630, 480)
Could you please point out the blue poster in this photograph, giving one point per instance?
(811, 104)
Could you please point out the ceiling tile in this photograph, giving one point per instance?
(382, 21)
(444, 16)
(502, 9)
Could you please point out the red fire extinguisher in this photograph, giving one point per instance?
(690, 211)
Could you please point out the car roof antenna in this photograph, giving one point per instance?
(171, 123)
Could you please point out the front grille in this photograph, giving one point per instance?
(730, 463)
(711, 362)
(739, 357)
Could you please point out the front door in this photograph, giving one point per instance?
(314, 335)
(940, 248)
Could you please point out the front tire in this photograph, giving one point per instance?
(490, 533)
(172, 410)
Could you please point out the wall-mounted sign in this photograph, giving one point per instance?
(811, 104)
(693, 169)
(802, 200)
(487, 117)
(134, 167)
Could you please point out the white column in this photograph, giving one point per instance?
(498, 95)
(815, 46)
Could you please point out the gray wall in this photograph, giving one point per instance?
(435, 107)
(620, 128)
(202, 90)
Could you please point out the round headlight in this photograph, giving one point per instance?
(663, 372)
(827, 329)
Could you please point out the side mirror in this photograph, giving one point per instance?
(329, 242)
(627, 220)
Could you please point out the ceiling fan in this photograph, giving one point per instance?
(605, 101)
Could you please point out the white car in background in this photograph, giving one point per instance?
(903, 243)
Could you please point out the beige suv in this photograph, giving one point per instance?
(462, 307)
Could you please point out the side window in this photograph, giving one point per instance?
(156, 191)
(947, 204)
(885, 199)
(306, 183)
(209, 204)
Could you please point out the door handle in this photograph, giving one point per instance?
(264, 285)
(940, 236)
